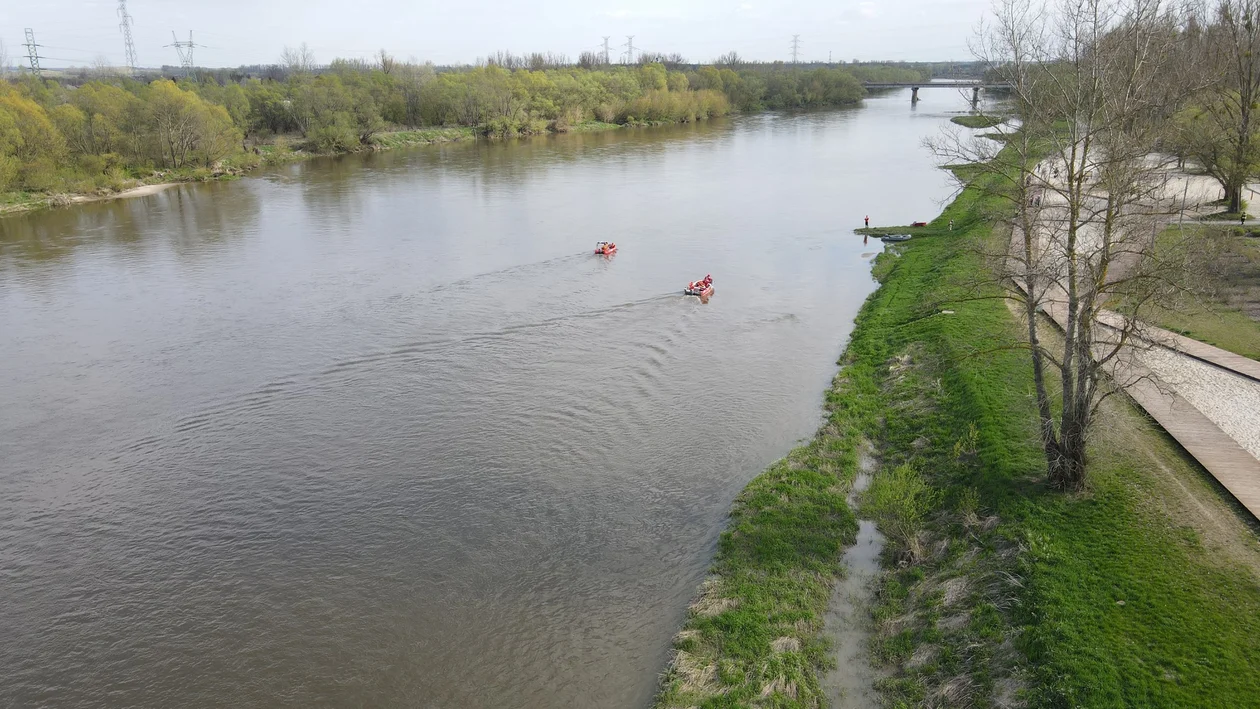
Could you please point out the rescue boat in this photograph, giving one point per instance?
(702, 287)
(605, 248)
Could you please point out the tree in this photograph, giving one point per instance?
(299, 60)
(1079, 193)
(1221, 131)
(186, 129)
(385, 62)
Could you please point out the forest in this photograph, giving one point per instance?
(102, 133)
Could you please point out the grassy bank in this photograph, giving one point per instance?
(1141, 592)
(976, 121)
(753, 635)
(279, 151)
(1227, 313)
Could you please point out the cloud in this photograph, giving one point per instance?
(867, 10)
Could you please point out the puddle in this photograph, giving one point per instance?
(851, 685)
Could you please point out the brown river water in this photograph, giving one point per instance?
(382, 431)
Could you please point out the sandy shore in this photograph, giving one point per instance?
(141, 191)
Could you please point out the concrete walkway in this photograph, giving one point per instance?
(1227, 398)
(1208, 399)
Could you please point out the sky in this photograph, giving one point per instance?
(236, 32)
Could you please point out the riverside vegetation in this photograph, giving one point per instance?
(1143, 590)
(108, 134)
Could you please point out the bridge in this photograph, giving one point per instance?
(975, 86)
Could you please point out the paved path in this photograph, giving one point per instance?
(1206, 398)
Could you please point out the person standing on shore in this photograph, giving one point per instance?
(868, 221)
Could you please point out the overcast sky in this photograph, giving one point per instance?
(237, 32)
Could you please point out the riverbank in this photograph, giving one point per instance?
(276, 152)
(999, 591)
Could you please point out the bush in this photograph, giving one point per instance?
(338, 134)
(899, 501)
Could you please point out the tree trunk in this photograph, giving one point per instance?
(1067, 456)
(1233, 195)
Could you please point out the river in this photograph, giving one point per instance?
(382, 431)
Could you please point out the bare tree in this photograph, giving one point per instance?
(1221, 130)
(102, 68)
(731, 58)
(299, 60)
(385, 62)
(4, 60)
(590, 60)
(1081, 190)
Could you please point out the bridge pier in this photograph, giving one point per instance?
(914, 94)
(975, 96)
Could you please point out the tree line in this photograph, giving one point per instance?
(80, 136)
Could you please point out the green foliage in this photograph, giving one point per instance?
(135, 129)
(976, 121)
(887, 73)
(1188, 632)
(756, 628)
(57, 141)
(899, 500)
(333, 132)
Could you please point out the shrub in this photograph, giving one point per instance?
(899, 501)
(338, 133)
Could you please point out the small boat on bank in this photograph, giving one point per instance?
(605, 248)
(895, 237)
(918, 223)
(702, 288)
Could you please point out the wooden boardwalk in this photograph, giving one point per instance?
(1237, 470)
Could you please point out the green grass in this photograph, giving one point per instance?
(1214, 323)
(21, 201)
(1231, 285)
(1188, 632)
(1108, 598)
(593, 126)
(402, 138)
(973, 121)
(754, 635)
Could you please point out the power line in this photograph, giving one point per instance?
(124, 24)
(606, 55)
(796, 46)
(629, 49)
(185, 52)
(32, 51)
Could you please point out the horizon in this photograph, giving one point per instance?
(85, 34)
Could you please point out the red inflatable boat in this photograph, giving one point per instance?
(702, 287)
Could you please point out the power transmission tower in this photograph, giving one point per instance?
(124, 24)
(185, 52)
(796, 46)
(629, 49)
(32, 51)
(606, 55)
